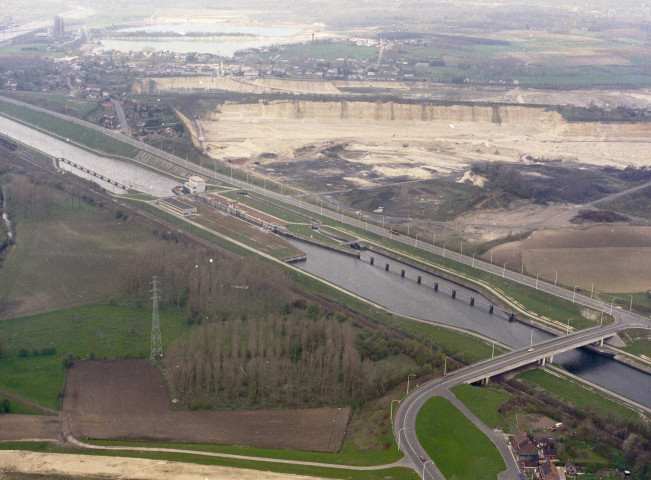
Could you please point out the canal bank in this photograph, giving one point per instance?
(403, 295)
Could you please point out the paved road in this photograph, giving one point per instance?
(626, 317)
(404, 424)
(124, 124)
(406, 415)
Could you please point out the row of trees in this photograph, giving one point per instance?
(290, 361)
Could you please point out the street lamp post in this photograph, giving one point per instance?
(504, 269)
(611, 305)
(416, 243)
(491, 258)
(473, 259)
(461, 248)
(410, 375)
(444, 249)
(537, 281)
(574, 293)
(391, 411)
(556, 277)
(568, 325)
(433, 239)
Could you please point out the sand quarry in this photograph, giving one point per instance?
(381, 142)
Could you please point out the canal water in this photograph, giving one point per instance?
(406, 296)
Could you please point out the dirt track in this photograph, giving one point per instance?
(127, 399)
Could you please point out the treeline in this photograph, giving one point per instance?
(207, 284)
(289, 361)
(597, 114)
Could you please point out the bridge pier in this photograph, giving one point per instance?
(484, 381)
(601, 342)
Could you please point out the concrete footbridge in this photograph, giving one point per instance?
(404, 424)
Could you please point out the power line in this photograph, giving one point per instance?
(156, 341)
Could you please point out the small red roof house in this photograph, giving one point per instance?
(570, 468)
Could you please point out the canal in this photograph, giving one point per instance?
(405, 296)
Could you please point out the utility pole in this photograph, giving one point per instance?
(156, 341)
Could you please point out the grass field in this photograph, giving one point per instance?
(483, 402)
(29, 49)
(307, 231)
(459, 449)
(577, 394)
(99, 331)
(264, 207)
(75, 237)
(638, 341)
(19, 409)
(58, 103)
(326, 51)
(77, 134)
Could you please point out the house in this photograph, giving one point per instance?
(570, 468)
(529, 451)
(529, 466)
(548, 471)
(548, 453)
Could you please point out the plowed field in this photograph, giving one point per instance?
(127, 399)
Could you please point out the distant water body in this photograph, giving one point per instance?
(232, 40)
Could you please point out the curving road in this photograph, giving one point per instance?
(405, 419)
(404, 424)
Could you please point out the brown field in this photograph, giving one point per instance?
(28, 427)
(127, 399)
(616, 258)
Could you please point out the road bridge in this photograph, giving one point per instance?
(404, 425)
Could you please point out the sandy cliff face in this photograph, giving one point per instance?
(387, 111)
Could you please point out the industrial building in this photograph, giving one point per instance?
(195, 184)
(177, 207)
